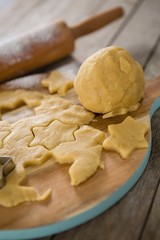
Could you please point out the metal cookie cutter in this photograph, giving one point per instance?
(7, 166)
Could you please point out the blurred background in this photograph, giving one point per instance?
(133, 218)
(138, 31)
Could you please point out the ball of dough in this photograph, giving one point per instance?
(110, 82)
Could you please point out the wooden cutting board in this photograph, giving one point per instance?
(68, 205)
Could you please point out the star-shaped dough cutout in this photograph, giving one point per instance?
(57, 82)
(126, 137)
(53, 135)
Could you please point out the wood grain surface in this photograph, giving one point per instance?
(99, 187)
(136, 216)
(51, 175)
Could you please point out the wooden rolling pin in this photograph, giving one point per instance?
(30, 51)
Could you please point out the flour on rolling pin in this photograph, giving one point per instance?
(22, 49)
(16, 51)
(23, 54)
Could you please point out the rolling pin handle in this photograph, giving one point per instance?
(91, 24)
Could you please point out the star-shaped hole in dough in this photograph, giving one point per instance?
(60, 116)
(16, 144)
(57, 82)
(3, 135)
(126, 137)
(53, 134)
(5, 129)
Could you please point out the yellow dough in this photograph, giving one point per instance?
(127, 136)
(51, 137)
(64, 111)
(57, 82)
(110, 82)
(5, 130)
(84, 153)
(17, 144)
(3, 135)
(11, 99)
(14, 193)
(30, 141)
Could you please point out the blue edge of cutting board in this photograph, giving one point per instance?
(83, 217)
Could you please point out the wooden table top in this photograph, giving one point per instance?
(137, 215)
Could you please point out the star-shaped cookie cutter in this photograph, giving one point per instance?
(7, 166)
